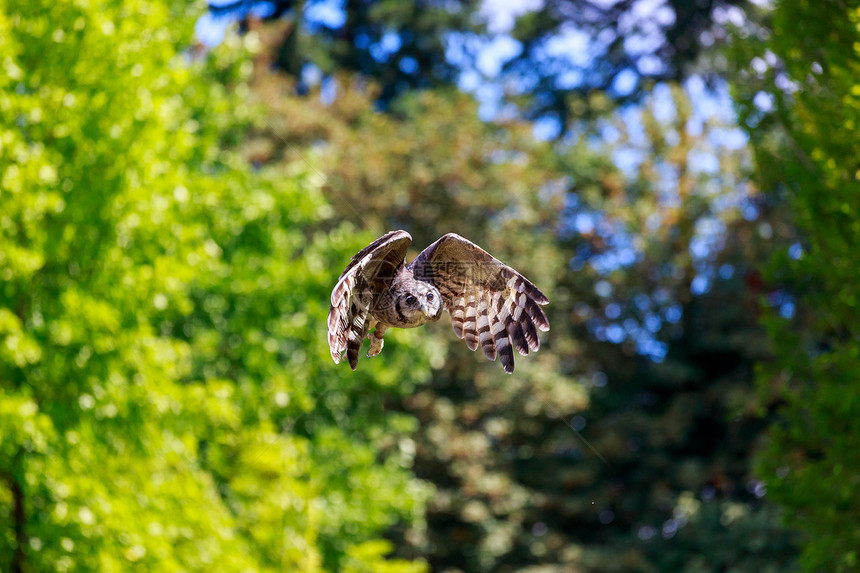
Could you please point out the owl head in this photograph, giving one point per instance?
(418, 302)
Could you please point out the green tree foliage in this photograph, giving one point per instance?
(556, 51)
(167, 249)
(399, 44)
(630, 47)
(166, 398)
(804, 124)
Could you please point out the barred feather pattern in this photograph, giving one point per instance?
(348, 325)
(500, 321)
(491, 305)
(485, 317)
(349, 319)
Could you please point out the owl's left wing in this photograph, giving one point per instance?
(363, 279)
(490, 303)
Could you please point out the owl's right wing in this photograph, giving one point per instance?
(360, 283)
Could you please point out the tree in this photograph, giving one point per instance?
(166, 398)
(560, 50)
(515, 483)
(628, 46)
(399, 45)
(798, 97)
(649, 366)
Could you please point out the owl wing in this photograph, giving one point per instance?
(361, 282)
(489, 302)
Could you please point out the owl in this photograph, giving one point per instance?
(490, 304)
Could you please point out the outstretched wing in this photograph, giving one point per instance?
(490, 303)
(361, 282)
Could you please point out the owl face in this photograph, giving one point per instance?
(419, 303)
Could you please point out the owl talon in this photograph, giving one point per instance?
(376, 345)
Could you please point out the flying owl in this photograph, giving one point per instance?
(490, 304)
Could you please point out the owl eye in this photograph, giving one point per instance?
(410, 299)
(430, 297)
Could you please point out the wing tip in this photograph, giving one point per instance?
(537, 295)
(398, 233)
(448, 236)
(506, 356)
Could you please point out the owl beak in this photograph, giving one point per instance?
(428, 312)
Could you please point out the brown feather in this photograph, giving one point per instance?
(515, 331)
(506, 352)
(458, 317)
(363, 280)
(530, 332)
(485, 320)
(470, 328)
(357, 329)
(537, 315)
(507, 314)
